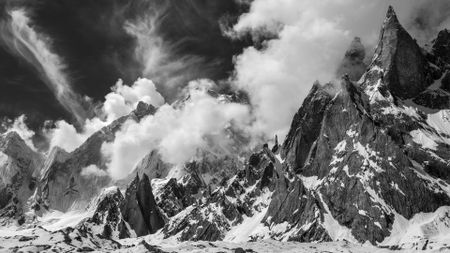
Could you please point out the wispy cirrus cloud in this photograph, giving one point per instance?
(19, 36)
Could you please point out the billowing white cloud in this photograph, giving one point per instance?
(309, 47)
(123, 99)
(93, 171)
(119, 102)
(177, 132)
(65, 135)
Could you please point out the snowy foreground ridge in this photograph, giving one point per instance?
(52, 235)
(365, 167)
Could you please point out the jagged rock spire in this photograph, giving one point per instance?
(303, 133)
(397, 53)
(139, 208)
(391, 21)
(353, 63)
(391, 13)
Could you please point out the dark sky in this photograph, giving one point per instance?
(90, 38)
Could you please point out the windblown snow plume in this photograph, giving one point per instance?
(21, 38)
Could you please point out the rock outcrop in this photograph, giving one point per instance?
(107, 221)
(176, 195)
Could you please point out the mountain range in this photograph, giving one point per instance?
(365, 167)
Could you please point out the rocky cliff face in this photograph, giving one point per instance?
(139, 208)
(304, 129)
(107, 220)
(19, 172)
(405, 69)
(115, 216)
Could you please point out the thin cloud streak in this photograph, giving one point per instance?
(20, 38)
